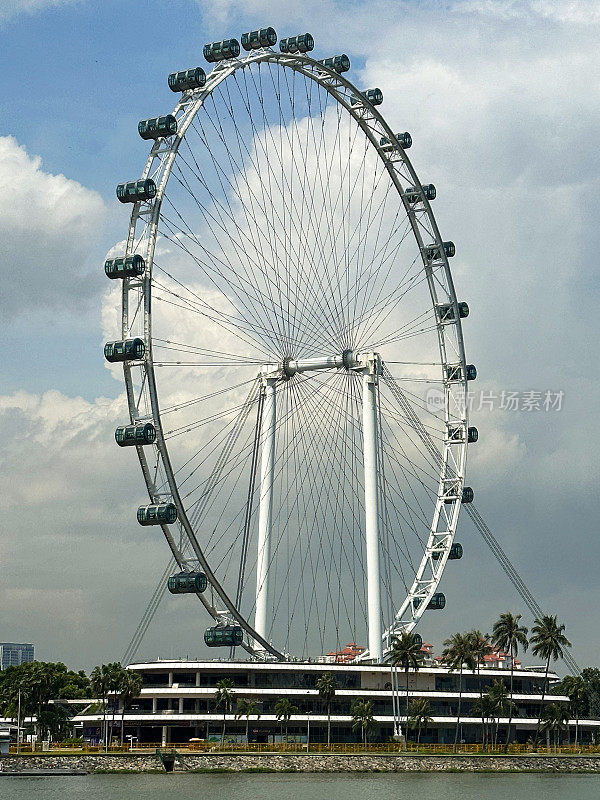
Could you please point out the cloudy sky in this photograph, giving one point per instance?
(502, 99)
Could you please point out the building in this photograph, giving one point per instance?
(13, 654)
(178, 702)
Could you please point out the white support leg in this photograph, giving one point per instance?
(265, 518)
(370, 380)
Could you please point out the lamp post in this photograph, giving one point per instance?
(308, 731)
(131, 738)
(19, 723)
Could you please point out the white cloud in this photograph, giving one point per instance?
(48, 226)
(501, 99)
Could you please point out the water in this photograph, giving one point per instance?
(395, 786)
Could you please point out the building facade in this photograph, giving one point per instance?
(178, 702)
(13, 654)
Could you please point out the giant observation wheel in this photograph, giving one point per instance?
(292, 346)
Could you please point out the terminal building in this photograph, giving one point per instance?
(178, 701)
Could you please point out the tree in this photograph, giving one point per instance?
(420, 715)
(575, 689)
(130, 688)
(224, 697)
(549, 642)
(116, 677)
(555, 717)
(99, 687)
(480, 646)
(458, 653)
(508, 635)
(247, 708)
(486, 707)
(406, 652)
(591, 678)
(501, 702)
(284, 709)
(327, 685)
(105, 682)
(362, 717)
(36, 683)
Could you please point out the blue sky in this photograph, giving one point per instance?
(503, 103)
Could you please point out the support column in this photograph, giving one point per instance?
(370, 441)
(265, 518)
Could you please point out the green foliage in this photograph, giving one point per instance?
(38, 682)
(548, 639)
(508, 634)
(327, 685)
(362, 717)
(284, 709)
(406, 651)
(583, 691)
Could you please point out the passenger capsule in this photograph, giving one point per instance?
(456, 433)
(446, 311)
(403, 140)
(433, 252)
(413, 194)
(472, 435)
(128, 350)
(138, 434)
(451, 492)
(297, 44)
(454, 372)
(157, 514)
(374, 96)
(221, 51)
(456, 552)
(130, 267)
(418, 639)
(468, 495)
(437, 602)
(187, 79)
(134, 191)
(157, 127)
(187, 583)
(224, 636)
(254, 40)
(338, 64)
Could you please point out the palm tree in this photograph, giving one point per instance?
(362, 717)
(555, 717)
(508, 634)
(224, 697)
(486, 706)
(574, 687)
(284, 709)
(247, 708)
(131, 687)
(549, 642)
(99, 680)
(406, 652)
(458, 654)
(480, 643)
(115, 679)
(420, 715)
(501, 702)
(327, 685)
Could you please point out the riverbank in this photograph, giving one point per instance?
(297, 762)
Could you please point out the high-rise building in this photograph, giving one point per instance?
(13, 654)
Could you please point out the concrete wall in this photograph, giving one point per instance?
(317, 762)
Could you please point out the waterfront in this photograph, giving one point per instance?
(307, 787)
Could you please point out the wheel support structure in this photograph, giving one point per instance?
(370, 365)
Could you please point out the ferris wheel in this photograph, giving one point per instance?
(293, 355)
